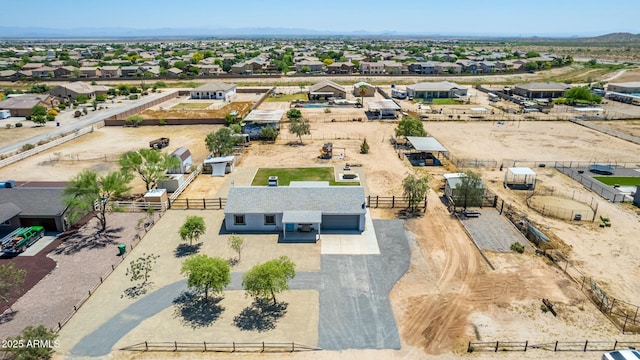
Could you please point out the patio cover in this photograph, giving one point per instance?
(274, 115)
(302, 217)
(521, 171)
(426, 143)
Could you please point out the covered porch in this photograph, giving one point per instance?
(301, 226)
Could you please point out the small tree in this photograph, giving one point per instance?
(294, 114)
(192, 229)
(415, 189)
(151, 165)
(362, 91)
(364, 147)
(469, 190)
(38, 110)
(134, 120)
(140, 268)
(267, 279)
(88, 192)
(409, 126)
(221, 142)
(236, 242)
(34, 335)
(11, 280)
(205, 273)
(269, 133)
(299, 127)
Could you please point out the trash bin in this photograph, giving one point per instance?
(57, 124)
(122, 248)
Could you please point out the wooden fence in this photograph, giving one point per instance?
(392, 202)
(198, 204)
(262, 347)
(575, 346)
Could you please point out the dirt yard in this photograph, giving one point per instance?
(242, 108)
(631, 127)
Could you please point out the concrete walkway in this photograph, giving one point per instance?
(355, 312)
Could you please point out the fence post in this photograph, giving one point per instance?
(612, 303)
(59, 326)
(469, 347)
(615, 344)
(526, 344)
(187, 202)
(555, 348)
(586, 342)
(377, 199)
(234, 347)
(205, 346)
(175, 344)
(146, 346)
(220, 202)
(393, 201)
(634, 316)
(293, 346)
(262, 346)
(204, 204)
(624, 326)
(497, 342)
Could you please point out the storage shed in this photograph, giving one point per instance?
(520, 178)
(220, 165)
(184, 156)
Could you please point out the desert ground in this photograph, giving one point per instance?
(449, 295)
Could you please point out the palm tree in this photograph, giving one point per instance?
(362, 91)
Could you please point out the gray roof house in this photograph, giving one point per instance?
(214, 90)
(299, 212)
(542, 90)
(37, 206)
(435, 90)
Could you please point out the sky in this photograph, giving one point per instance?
(458, 17)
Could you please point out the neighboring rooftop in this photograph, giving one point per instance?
(544, 86)
(215, 86)
(274, 115)
(435, 86)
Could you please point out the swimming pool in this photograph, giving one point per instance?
(310, 106)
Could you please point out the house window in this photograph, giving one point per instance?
(239, 220)
(269, 219)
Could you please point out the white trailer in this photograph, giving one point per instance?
(5, 114)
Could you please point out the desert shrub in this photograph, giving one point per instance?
(62, 106)
(133, 97)
(8, 126)
(364, 147)
(517, 247)
(17, 124)
(50, 117)
(81, 99)
(101, 97)
(162, 122)
(26, 147)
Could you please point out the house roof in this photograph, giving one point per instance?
(111, 68)
(521, 171)
(35, 201)
(278, 199)
(543, 86)
(8, 210)
(78, 87)
(7, 73)
(26, 101)
(426, 143)
(302, 217)
(215, 86)
(435, 86)
(320, 85)
(386, 104)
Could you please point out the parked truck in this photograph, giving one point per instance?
(20, 239)
(5, 114)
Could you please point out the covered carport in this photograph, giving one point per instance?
(423, 149)
(383, 108)
(257, 119)
(520, 178)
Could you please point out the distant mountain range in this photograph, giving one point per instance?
(7, 32)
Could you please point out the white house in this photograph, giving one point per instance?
(300, 212)
(215, 90)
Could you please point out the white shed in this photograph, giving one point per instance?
(221, 165)
(520, 178)
(184, 156)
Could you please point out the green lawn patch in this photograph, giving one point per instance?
(620, 180)
(286, 98)
(445, 102)
(192, 106)
(287, 175)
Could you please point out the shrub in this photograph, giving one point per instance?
(160, 84)
(364, 147)
(77, 113)
(162, 122)
(26, 147)
(17, 124)
(53, 112)
(51, 117)
(133, 97)
(28, 117)
(8, 126)
(517, 247)
(81, 99)
(101, 97)
(62, 106)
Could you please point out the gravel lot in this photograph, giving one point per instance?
(81, 260)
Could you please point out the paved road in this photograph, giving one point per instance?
(355, 312)
(86, 121)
